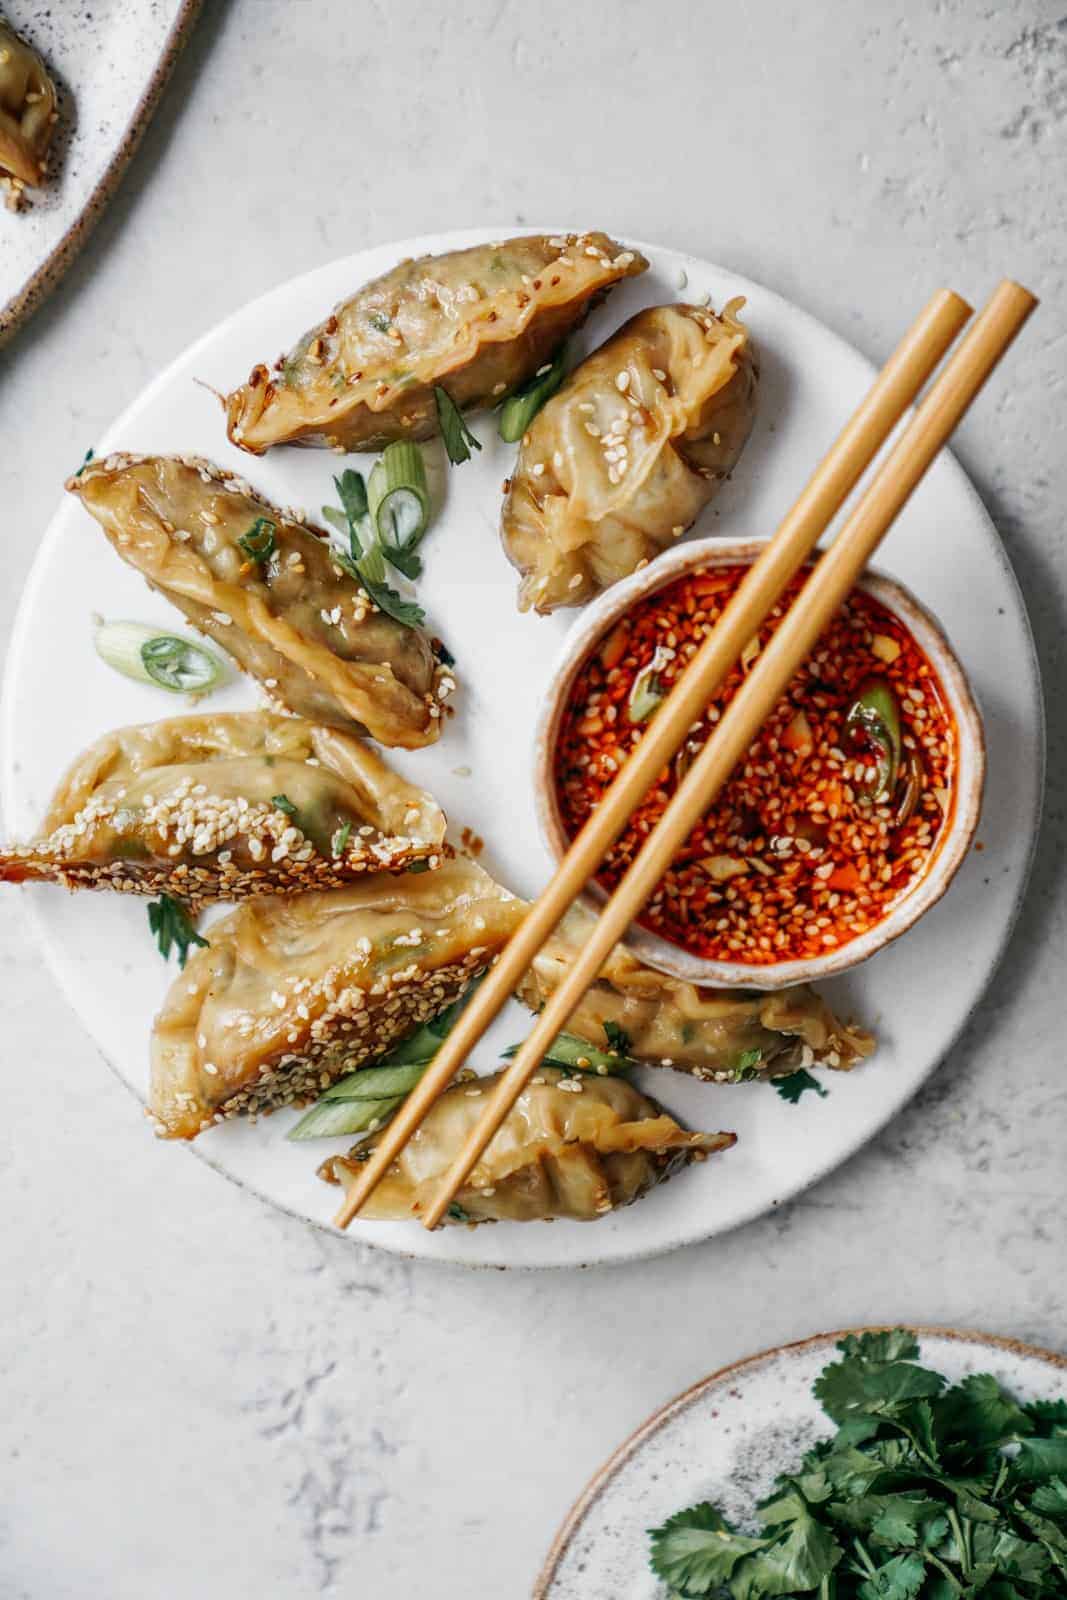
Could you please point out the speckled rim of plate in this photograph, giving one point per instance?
(40, 284)
(697, 1392)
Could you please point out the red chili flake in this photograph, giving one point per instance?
(795, 859)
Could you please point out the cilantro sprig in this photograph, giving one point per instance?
(366, 557)
(926, 1492)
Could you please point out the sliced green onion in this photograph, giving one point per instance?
(282, 802)
(873, 720)
(339, 842)
(258, 543)
(398, 497)
(458, 438)
(520, 408)
(331, 1118)
(148, 656)
(384, 1082)
(368, 1097)
(567, 1050)
(646, 696)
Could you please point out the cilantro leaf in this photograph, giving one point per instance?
(805, 1556)
(1040, 1459)
(1051, 1497)
(618, 1039)
(977, 1413)
(896, 1520)
(1047, 1414)
(872, 1387)
(900, 1579)
(172, 925)
(458, 439)
(696, 1551)
(796, 1083)
(895, 1344)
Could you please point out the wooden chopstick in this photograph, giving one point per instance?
(836, 475)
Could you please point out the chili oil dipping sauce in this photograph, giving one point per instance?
(836, 812)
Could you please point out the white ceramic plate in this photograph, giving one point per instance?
(725, 1440)
(917, 994)
(110, 62)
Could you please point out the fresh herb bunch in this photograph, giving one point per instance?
(366, 556)
(926, 1492)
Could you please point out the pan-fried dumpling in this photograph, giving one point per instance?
(220, 807)
(288, 615)
(628, 452)
(477, 322)
(723, 1035)
(291, 994)
(574, 1147)
(27, 111)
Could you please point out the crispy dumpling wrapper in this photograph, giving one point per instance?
(575, 1147)
(27, 110)
(291, 994)
(625, 456)
(295, 621)
(711, 1034)
(478, 322)
(188, 807)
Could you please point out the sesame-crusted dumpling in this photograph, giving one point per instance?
(630, 450)
(575, 1147)
(224, 806)
(27, 113)
(478, 322)
(291, 994)
(279, 603)
(722, 1035)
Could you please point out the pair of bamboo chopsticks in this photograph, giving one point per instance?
(896, 387)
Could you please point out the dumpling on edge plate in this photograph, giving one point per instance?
(571, 1146)
(225, 805)
(628, 452)
(270, 591)
(477, 322)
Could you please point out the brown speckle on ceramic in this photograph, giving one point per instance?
(600, 617)
(110, 64)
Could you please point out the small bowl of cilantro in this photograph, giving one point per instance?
(877, 1465)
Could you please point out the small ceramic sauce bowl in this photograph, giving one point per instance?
(953, 840)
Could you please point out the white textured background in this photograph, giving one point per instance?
(202, 1398)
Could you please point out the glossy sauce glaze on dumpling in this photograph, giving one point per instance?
(477, 322)
(27, 112)
(291, 994)
(218, 807)
(576, 1147)
(294, 620)
(721, 1035)
(622, 460)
